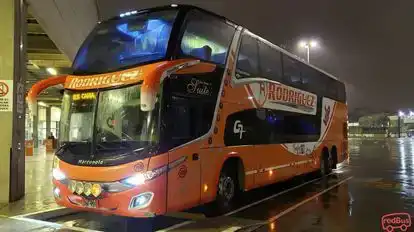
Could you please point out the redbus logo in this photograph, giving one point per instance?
(393, 221)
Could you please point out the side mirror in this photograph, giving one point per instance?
(148, 99)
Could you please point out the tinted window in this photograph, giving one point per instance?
(270, 62)
(206, 37)
(290, 127)
(341, 91)
(246, 127)
(291, 71)
(247, 60)
(122, 43)
(300, 75)
(190, 103)
(332, 87)
(265, 126)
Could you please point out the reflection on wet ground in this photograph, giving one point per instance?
(377, 181)
(38, 186)
(382, 183)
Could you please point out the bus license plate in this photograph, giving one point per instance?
(91, 203)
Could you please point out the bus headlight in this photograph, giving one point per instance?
(135, 180)
(58, 174)
(141, 178)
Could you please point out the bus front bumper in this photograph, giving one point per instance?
(146, 200)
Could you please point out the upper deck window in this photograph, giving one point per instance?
(122, 43)
(206, 37)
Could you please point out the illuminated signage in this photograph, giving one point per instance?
(101, 81)
(84, 96)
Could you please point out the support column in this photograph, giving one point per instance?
(35, 132)
(48, 120)
(12, 95)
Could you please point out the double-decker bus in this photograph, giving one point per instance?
(172, 107)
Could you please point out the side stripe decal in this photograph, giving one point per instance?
(251, 172)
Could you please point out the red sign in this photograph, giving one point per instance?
(182, 171)
(401, 221)
(4, 89)
(282, 93)
(277, 96)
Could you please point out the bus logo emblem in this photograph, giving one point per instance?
(238, 128)
(401, 221)
(139, 167)
(182, 171)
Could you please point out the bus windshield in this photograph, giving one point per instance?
(108, 117)
(122, 43)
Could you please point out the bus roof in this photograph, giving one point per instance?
(189, 7)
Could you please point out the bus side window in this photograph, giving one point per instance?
(270, 62)
(247, 60)
(188, 119)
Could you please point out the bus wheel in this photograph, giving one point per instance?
(325, 163)
(228, 187)
(334, 157)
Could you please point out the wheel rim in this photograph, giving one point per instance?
(227, 188)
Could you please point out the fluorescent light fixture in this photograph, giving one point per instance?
(52, 71)
(42, 104)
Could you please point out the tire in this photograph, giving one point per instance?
(334, 156)
(228, 188)
(325, 164)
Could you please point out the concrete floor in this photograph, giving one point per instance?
(38, 179)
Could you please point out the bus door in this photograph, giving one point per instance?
(187, 122)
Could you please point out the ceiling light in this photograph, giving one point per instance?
(52, 71)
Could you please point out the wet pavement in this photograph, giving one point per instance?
(378, 180)
(38, 186)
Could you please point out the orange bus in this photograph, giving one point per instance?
(172, 107)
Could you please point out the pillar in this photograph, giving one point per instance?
(12, 95)
(48, 120)
(35, 132)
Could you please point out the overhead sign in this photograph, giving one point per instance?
(84, 96)
(6, 95)
(104, 80)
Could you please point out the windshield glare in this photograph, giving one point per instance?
(108, 117)
(118, 44)
(119, 117)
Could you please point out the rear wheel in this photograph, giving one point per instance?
(325, 163)
(334, 156)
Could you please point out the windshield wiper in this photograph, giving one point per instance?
(117, 145)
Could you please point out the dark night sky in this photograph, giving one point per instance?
(368, 44)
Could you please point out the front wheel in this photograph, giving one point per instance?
(227, 189)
